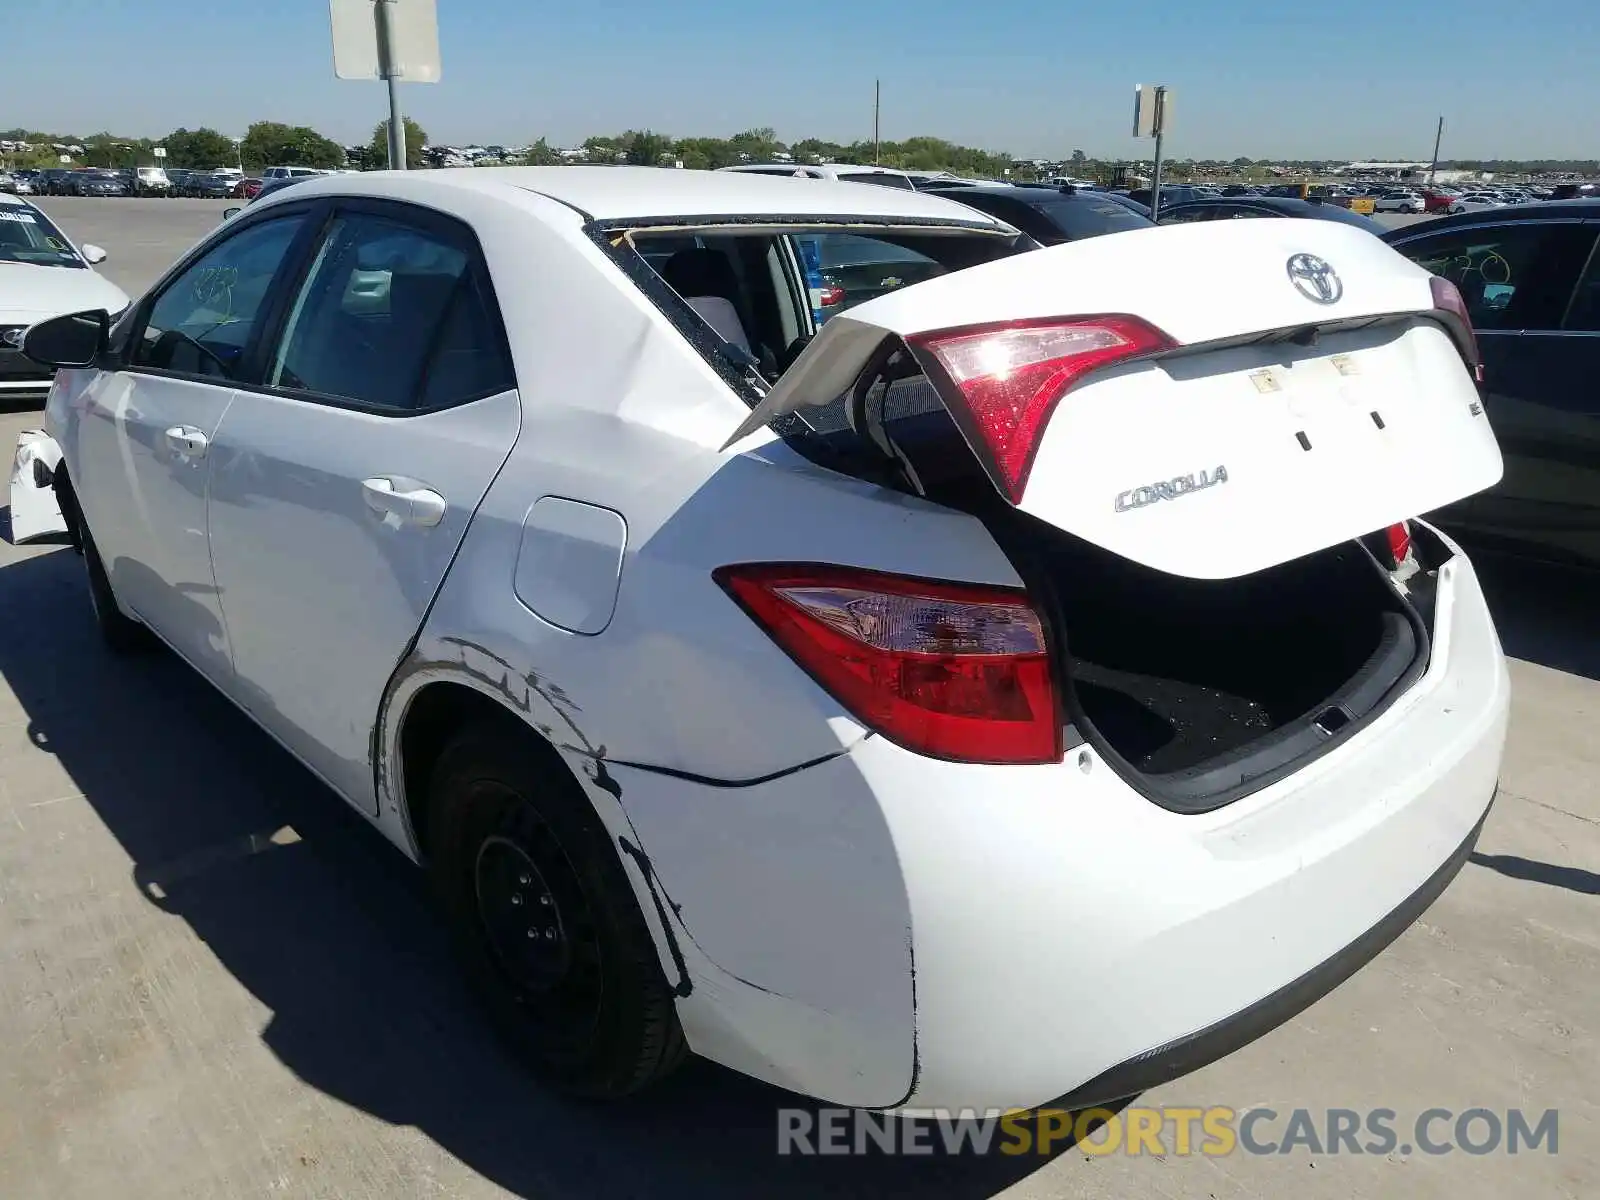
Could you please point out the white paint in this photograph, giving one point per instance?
(569, 564)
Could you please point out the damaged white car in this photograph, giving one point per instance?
(1027, 685)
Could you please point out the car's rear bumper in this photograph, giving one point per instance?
(1072, 939)
(886, 930)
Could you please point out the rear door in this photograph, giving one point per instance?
(1207, 401)
(1538, 326)
(341, 487)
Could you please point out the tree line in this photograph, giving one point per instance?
(271, 143)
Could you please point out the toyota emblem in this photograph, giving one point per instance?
(1314, 279)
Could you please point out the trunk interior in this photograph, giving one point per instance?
(1207, 689)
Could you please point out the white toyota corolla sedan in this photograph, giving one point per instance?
(1027, 685)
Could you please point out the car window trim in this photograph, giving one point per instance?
(432, 221)
(249, 353)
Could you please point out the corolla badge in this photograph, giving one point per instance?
(1169, 489)
(1315, 279)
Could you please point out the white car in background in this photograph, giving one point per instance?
(1024, 685)
(42, 274)
(1473, 201)
(1400, 202)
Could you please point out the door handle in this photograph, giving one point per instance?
(409, 502)
(188, 441)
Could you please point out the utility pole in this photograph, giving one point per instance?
(877, 102)
(391, 75)
(1437, 138)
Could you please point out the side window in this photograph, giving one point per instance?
(202, 322)
(1185, 216)
(1514, 276)
(1584, 315)
(391, 316)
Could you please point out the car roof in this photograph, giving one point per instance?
(641, 193)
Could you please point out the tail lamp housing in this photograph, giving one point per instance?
(1002, 382)
(954, 671)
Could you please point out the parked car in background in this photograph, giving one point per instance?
(152, 181)
(27, 181)
(1177, 193)
(179, 178)
(1475, 201)
(843, 172)
(504, 554)
(1530, 278)
(281, 173)
(213, 187)
(1438, 200)
(1229, 208)
(42, 275)
(92, 182)
(1049, 215)
(1400, 202)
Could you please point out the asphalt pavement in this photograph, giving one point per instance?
(215, 982)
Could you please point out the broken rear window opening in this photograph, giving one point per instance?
(750, 293)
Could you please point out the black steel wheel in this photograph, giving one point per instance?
(544, 918)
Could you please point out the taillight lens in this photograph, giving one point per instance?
(1010, 377)
(1447, 298)
(954, 671)
(831, 294)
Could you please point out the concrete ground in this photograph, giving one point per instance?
(215, 982)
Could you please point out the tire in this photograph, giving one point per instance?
(578, 990)
(120, 632)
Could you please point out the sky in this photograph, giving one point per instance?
(1281, 79)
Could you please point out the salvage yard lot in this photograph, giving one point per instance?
(215, 981)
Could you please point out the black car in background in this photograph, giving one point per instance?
(1530, 275)
(54, 181)
(1229, 207)
(212, 187)
(1050, 215)
(99, 183)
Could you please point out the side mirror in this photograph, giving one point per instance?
(75, 340)
(229, 214)
(93, 254)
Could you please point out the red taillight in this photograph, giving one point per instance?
(954, 671)
(1010, 378)
(831, 295)
(1447, 298)
(1399, 535)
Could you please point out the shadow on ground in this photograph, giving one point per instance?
(334, 933)
(1573, 879)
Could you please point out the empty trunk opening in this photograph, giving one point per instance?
(1200, 691)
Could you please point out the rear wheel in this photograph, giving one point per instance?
(544, 918)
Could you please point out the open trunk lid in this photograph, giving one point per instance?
(1207, 399)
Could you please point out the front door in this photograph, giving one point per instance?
(341, 489)
(144, 440)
